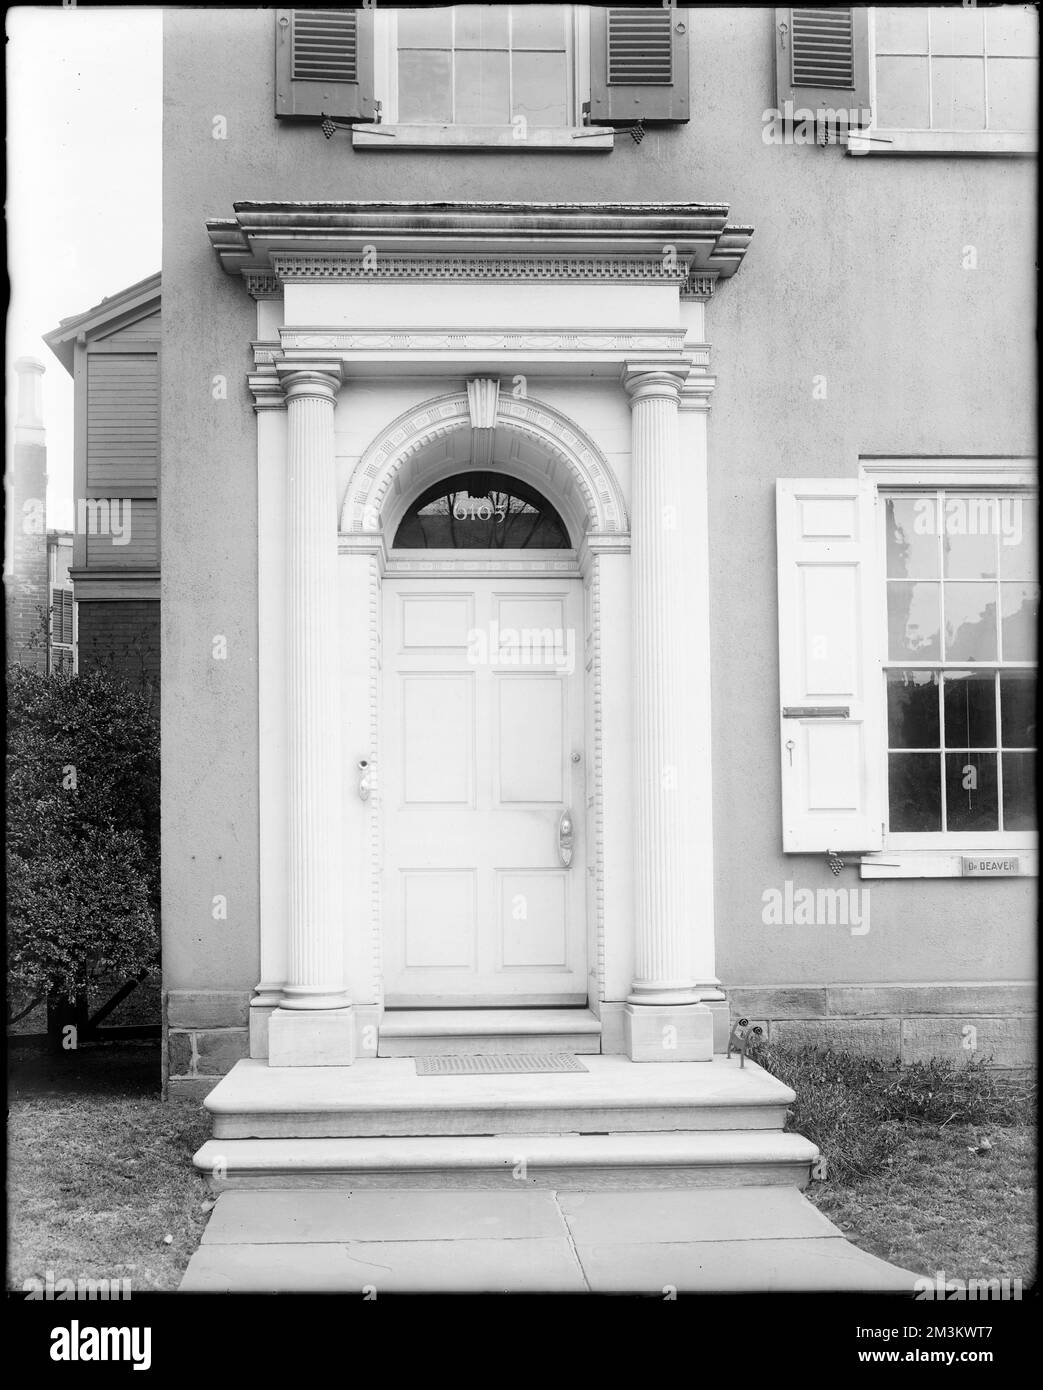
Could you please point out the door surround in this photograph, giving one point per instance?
(578, 480)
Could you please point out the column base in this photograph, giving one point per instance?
(668, 1033)
(305, 1038)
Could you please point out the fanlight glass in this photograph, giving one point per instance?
(482, 511)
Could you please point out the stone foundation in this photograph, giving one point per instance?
(205, 1032)
(910, 1023)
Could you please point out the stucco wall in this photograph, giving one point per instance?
(855, 273)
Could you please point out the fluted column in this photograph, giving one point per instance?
(664, 1020)
(312, 1025)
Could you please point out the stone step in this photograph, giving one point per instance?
(384, 1097)
(564, 1162)
(489, 1032)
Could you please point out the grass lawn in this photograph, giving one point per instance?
(940, 1207)
(99, 1173)
(99, 1169)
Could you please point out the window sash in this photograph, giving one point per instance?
(984, 56)
(945, 838)
(573, 48)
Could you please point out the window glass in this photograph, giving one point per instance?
(902, 93)
(913, 621)
(971, 793)
(482, 88)
(956, 69)
(1013, 94)
(539, 87)
(912, 537)
(957, 94)
(914, 781)
(538, 26)
(425, 28)
(481, 26)
(1018, 708)
(901, 30)
(969, 701)
(955, 30)
(482, 511)
(1020, 610)
(424, 87)
(484, 65)
(912, 709)
(961, 739)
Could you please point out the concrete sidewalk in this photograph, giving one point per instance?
(529, 1241)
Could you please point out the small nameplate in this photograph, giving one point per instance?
(816, 712)
(990, 865)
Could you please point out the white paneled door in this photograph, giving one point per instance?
(482, 788)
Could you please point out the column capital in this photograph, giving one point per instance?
(318, 380)
(654, 380)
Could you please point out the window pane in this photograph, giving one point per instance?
(425, 28)
(1018, 709)
(912, 709)
(958, 92)
(956, 31)
(481, 26)
(901, 30)
(539, 87)
(971, 802)
(914, 791)
(1013, 94)
(537, 26)
(423, 87)
(1020, 612)
(971, 536)
(1019, 538)
(482, 511)
(970, 710)
(1013, 31)
(902, 94)
(912, 538)
(482, 94)
(1019, 791)
(970, 622)
(913, 621)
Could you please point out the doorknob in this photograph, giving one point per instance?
(566, 838)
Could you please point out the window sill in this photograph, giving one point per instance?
(504, 139)
(918, 863)
(946, 142)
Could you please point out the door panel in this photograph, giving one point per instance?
(483, 714)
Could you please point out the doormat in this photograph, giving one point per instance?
(508, 1062)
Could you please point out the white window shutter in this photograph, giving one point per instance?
(829, 672)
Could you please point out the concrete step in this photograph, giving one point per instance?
(563, 1162)
(384, 1097)
(488, 1032)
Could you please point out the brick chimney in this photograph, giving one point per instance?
(26, 576)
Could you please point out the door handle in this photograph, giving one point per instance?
(566, 838)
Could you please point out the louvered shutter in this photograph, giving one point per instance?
(829, 671)
(822, 59)
(324, 63)
(638, 65)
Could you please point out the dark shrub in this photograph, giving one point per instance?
(82, 832)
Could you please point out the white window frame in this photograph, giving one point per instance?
(940, 854)
(884, 140)
(391, 133)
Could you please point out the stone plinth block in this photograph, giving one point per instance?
(305, 1038)
(668, 1033)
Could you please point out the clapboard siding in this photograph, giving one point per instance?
(137, 546)
(146, 330)
(122, 420)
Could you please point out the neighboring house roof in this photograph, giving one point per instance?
(103, 318)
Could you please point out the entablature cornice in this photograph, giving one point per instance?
(689, 245)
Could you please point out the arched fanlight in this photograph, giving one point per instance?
(482, 511)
